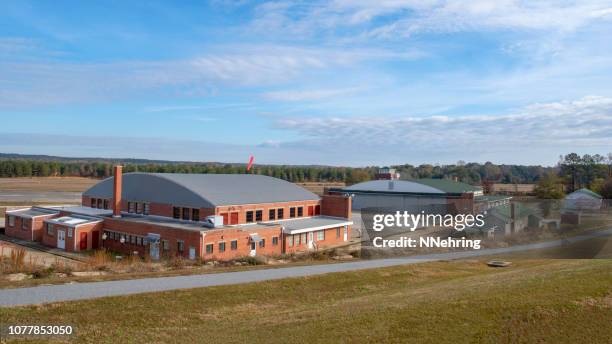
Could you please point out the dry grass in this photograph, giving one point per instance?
(67, 184)
(539, 301)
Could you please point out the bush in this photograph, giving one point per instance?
(176, 262)
(251, 260)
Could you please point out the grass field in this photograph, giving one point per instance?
(66, 184)
(544, 301)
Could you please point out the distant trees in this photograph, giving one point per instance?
(584, 171)
(574, 170)
(550, 186)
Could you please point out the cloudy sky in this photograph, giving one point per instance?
(333, 82)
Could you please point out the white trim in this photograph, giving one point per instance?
(314, 229)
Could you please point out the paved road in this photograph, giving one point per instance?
(80, 291)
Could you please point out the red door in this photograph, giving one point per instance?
(234, 219)
(311, 210)
(83, 241)
(225, 218)
(95, 239)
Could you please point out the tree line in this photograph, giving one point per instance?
(471, 173)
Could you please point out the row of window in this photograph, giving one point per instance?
(234, 245)
(99, 203)
(139, 207)
(279, 213)
(302, 239)
(187, 214)
(127, 238)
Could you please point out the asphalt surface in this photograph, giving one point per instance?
(81, 291)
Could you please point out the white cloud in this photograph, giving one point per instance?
(409, 17)
(585, 122)
(305, 95)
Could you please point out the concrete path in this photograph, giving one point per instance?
(80, 291)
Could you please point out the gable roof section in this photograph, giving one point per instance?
(587, 192)
(448, 186)
(415, 186)
(202, 190)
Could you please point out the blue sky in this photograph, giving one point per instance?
(332, 82)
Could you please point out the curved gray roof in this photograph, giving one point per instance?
(202, 190)
(393, 186)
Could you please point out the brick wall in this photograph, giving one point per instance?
(331, 239)
(189, 237)
(336, 205)
(243, 238)
(265, 208)
(34, 231)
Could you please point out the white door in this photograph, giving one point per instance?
(154, 249)
(253, 252)
(61, 239)
(310, 239)
(191, 252)
(345, 233)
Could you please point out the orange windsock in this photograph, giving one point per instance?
(251, 159)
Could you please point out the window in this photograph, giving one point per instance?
(209, 248)
(222, 247)
(274, 241)
(297, 240)
(133, 240)
(49, 229)
(99, 200)
(128, 239)
(93, 203)
(111, 235)
(262, 242)
(146, 209)
(105, 204)
(138, 208)
(320, 235)
(176, 212)
(338, 232)
(195, 214)
(292, 212)
(234, 245)
(139, 241)
(281, 213)
(303, 238)
(131, 207)
(70, 232)
(180, 245)
(290, 241)
(300, 211)
(24, 224)
(249, 216)
(272, 214)
(317, 210)
(258, 215)
(11, 221)
(165, 245)
(185, 213)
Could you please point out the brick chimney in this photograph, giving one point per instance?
(117, 191)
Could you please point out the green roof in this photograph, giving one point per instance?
(589, 192)
(447, 185)
(521, 210)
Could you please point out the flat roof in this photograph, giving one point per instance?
(73, 221)
(187, 225)
(85, 210)
(309, 224)
(32, 212)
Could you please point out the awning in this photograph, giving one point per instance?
(255, 238)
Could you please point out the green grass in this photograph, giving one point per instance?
(543, 301)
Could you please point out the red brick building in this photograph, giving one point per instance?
(210, 216)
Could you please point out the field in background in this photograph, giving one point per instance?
(318, 187)
(57, 184)
(552, 301)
